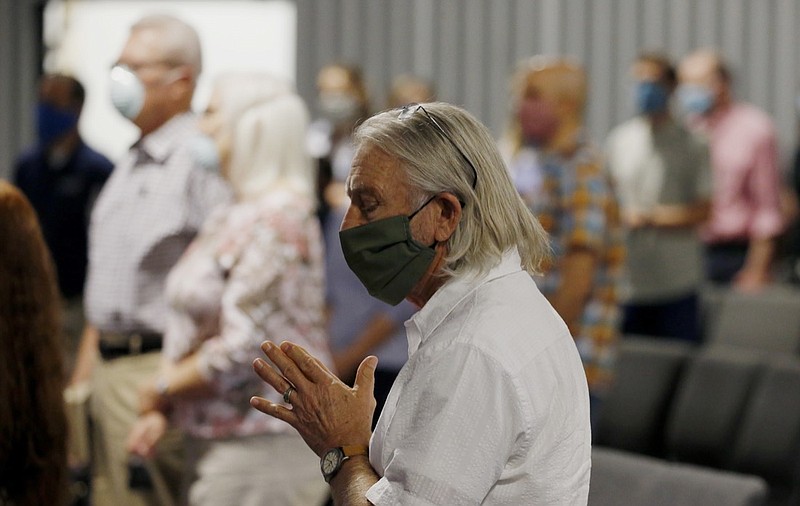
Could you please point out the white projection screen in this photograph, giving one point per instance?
(84, 37)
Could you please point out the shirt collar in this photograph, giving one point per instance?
(450, 295)
(156, 146)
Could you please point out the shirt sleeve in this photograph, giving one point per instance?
(584, 223)
(764, 187)
(250, 308)
(462, 433)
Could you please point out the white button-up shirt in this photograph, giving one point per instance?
(492, 406)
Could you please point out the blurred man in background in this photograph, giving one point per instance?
(746, 216)
(148, 213)
(661, 177)
(560, 176)
(62, 176)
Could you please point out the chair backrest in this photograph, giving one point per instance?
(768, 320)
(626, 479)
(769, 440)
(711, 297)
(710, 400)
(633, 413)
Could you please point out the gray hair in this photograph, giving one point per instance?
(494, 217)
(179, 41)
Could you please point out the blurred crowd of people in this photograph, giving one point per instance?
(218, 232)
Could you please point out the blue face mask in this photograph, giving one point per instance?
(52, 122)
(695, 99)
(651, 97)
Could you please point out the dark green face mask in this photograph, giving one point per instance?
(384, 256)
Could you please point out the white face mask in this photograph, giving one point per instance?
(339, 107)
(127, 91)
(204, 152)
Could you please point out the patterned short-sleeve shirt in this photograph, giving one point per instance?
(576, 206)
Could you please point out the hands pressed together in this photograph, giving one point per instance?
(325, 411)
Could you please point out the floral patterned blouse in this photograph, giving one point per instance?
(254, 272)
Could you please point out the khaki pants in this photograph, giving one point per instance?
(114, 408)
(268, 469)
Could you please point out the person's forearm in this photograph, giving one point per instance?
(577, 278)
(87, 355)
(185, 380)
(350, 485)
(377, 331)
(180, 380)
(569, 303)
(672, 216)
(759, 256)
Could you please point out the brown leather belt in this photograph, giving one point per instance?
(116, 344)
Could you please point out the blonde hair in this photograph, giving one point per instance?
(267, 123)
(494, 217)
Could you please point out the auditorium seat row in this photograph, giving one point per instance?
(724, 408)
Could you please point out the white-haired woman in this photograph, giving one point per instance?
(255, 272)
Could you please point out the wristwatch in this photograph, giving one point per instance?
(332, 460)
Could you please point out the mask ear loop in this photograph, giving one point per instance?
(420, 208)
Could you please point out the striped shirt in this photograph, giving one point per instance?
(147, 214)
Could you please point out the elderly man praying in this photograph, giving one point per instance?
(492, 406)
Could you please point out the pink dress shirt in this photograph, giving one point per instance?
(745, 175)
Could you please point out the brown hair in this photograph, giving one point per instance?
(33, 463)
(669, 76)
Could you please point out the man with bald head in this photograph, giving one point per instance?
(745, 216)
(561, 179)
(151, 208)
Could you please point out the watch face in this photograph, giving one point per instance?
(331, 461)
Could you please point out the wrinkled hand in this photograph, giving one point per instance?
(325, 411)
(146, 433)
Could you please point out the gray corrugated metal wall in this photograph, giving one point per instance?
(468, 48)
(19, 55)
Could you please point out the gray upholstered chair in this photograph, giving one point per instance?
(709, 404)
(633, 413)
(767, 320)
(627, 479)
(768, 443)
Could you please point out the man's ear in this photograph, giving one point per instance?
(448, 217)
(184, 83)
